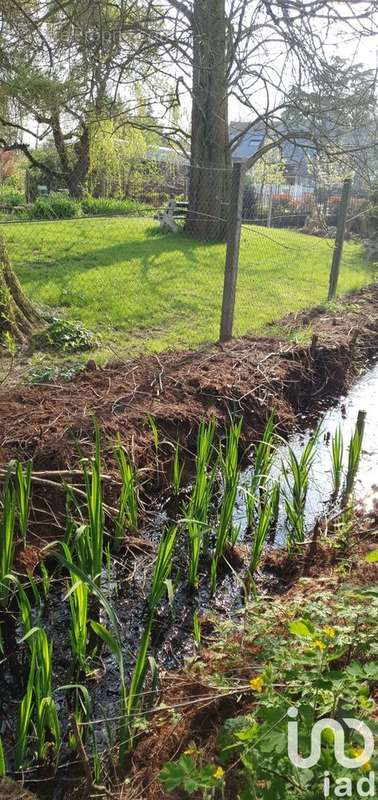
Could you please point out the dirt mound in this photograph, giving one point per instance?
(249, 376)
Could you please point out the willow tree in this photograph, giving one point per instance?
(66, 67)
(18, 316)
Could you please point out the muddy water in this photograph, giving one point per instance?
(363, 395)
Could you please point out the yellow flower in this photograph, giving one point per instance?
(218, 773)
(330, 632)
(257, 684)
(357, 752)
(319, 644)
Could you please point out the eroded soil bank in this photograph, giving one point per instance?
(249, 376)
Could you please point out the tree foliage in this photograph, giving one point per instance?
(68, 68)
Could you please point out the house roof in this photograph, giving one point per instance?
(293, 153)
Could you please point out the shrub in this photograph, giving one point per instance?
(61, 334)
(55, 206)
(11, 197)
(103, 206)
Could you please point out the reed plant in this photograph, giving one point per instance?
(128, 500)
(263, 461)
(354, 454)
(196, 628)
(93, 533)
(261, 532)
(198, 510)
(177, 470)
(337, 455)
(7, 536)
(3, 766)
(155, 439)
(23, 492)
(78, 601)
(226, 532)
(38, 709)
(297, 476)
(24, 718)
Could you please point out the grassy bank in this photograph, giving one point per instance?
(143, 290)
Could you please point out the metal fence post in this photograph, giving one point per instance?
(340, 235)
(232, 253)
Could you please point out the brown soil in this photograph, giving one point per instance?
(249, 375)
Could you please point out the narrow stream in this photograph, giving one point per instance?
(363, 395)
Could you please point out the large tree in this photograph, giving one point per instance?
(67, 66)
(253, 51)
(18, 316)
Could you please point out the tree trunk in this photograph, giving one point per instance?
(75, 175)
(210, 168)
(18, 317)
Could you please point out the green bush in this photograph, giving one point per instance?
(70, 337)
(55, 206)
(103, 206)
(11, 197)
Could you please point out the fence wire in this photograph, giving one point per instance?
(143, 275)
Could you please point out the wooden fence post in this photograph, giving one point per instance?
(232, 253)
(339, 243)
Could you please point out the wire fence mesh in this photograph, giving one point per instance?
(143, 273)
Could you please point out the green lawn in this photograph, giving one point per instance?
(143, 290)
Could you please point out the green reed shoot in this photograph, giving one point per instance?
(177, 470)
(337, 455)
(38, 705)
(25, 714)
(23, 491)
(78, 600)
(196, 628)
(275, 496)
(198, 509)
(226, 532)
(128, 500)
(94, 533)
(7, 527)
(162, 568)
(261, 532)
(81, 713)
(354, 453)
(155, 438)
(263, 460)
(3, 766)
(297, 475)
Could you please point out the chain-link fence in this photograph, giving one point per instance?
(142, 273)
